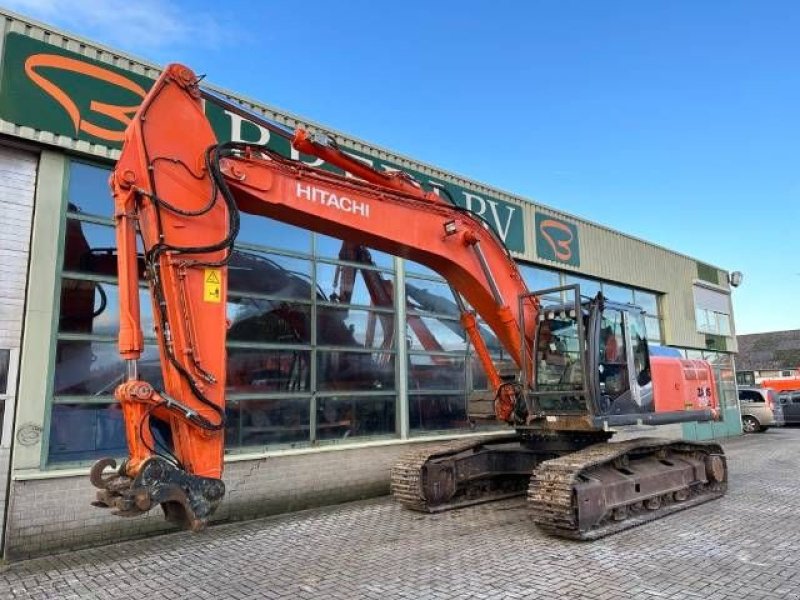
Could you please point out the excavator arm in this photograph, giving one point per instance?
(182, 192)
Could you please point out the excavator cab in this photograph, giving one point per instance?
(593, 367)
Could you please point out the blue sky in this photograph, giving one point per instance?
(677, 122)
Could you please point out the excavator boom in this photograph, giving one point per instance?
(182, 193)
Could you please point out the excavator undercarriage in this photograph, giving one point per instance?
(578, 485)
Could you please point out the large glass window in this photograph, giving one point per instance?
(348, 284)
(251, 271)
(260, 371)
(271, 320)
(355, 328)
(437, 411)
(311, 342)
(343, 417)
(618, 293)
(88, 192)
(647, 301)
(267, 422)
(82, 431)
(268, 233)
(91, 306)
(589, 287)
(537, 278)
(712, 311)
(330, 247)
(439, 370)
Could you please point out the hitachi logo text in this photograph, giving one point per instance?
(326, 198)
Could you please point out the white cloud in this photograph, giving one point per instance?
(140, 24)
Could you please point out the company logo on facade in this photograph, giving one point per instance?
(36, 68)
(51, 89)
(557, 240)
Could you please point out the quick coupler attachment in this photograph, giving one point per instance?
(186, 499)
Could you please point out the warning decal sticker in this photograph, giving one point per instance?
(212, 285)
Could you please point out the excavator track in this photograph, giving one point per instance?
(610, 487)
(444, 476)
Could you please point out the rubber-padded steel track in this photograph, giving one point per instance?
(552, 491)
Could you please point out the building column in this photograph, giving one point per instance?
(401, 360)
(41, 316)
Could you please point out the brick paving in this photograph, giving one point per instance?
(746, 545)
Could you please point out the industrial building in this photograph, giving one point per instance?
(312, 417)
(772, 355)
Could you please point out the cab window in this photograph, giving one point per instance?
(558, 355)
(612, 364)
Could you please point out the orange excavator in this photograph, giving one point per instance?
(581, 365)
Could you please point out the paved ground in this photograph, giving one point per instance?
(746, 545)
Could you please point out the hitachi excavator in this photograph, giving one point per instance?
(581, 366)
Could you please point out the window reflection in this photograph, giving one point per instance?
(267, 422)
(255, 229)
(646, 301)
(88, 191)
(354, 370)
(431, 296)
(87, 368)
(339, 326)
(344, 418)
(436, 372)
(617, 293)
(90, 248)
(435, 335)
(653, 326)
(539, 279)
(92, 307)
(437, 412)
(268, 321)
(253, 370)
(349, 285)
(589, 287)
(270, 274)
(330, 247)
(80, 432)
(725, 377)
(414, 268)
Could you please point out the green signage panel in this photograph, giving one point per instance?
(51, 89)
(557, 240)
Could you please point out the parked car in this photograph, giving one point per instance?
(760, 409)
(790, 404)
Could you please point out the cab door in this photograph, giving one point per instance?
(623, 363)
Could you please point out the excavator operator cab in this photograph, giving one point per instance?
(591, 358)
